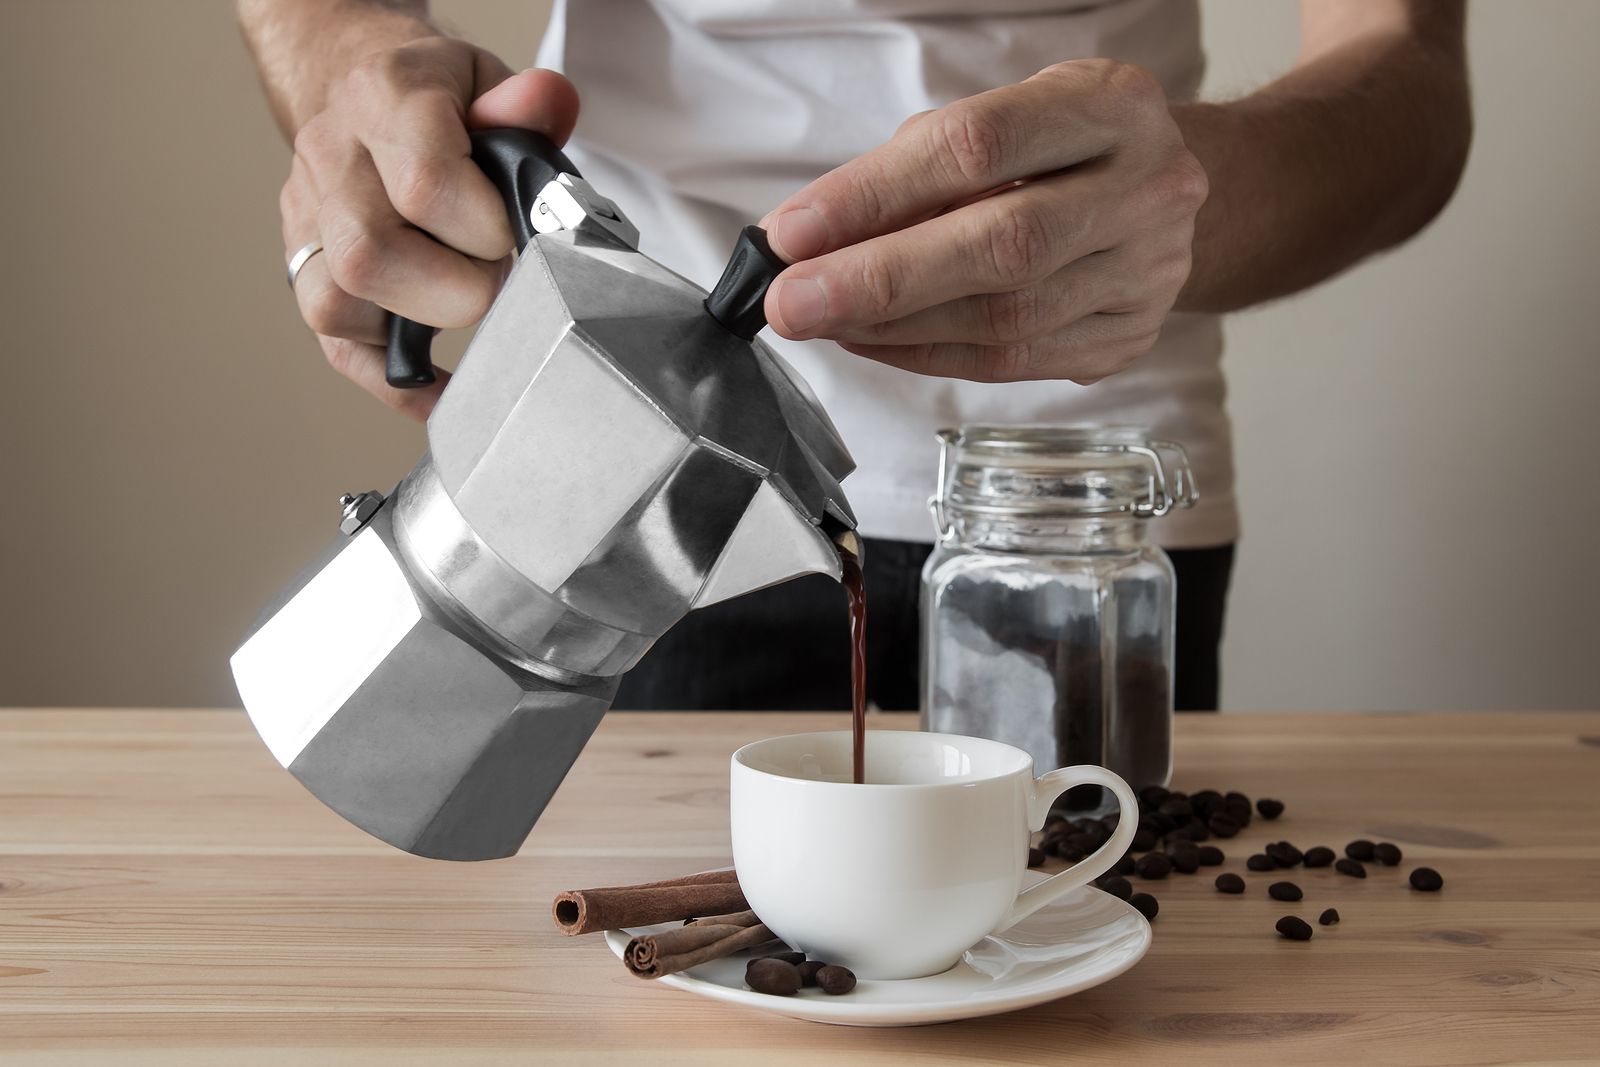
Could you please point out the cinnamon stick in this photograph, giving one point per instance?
(583, 911)
(657, 955)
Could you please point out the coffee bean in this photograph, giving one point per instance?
(1319, 856)
(1082, 844)
(1294, 928)
(1162, 823)
(835, 980)
(1185, 860)
(1233, 797)
(1269, 809)
(1350, 867)
(1116, 885)
(1176, 807)
(1153, 865)
(1223, 825)
(773, 976)
(1145, 904)
(1057, 825)
(794, 958)
(1229, 883)
(1359, 849)
(1143, 841)
(1329, 917)
(808, 972)
(1286, 854)
(1206, 803)
(1239, 813)
(1261, 862)
(1210, 856)
(1194, 831)
(1386, 854)
(1284, 891)
(1123, 866)
(1427, 879)
(1152, 797)
(1050, 844)
(1036, 857)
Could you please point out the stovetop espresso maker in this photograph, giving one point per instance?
(616, 449)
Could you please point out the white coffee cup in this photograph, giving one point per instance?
(897, 877)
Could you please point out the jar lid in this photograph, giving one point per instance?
(1059, 471)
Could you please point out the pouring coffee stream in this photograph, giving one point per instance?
(616, 449)
(854, 580)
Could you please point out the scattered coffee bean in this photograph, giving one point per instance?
(1319, 856)
(793, 958)
(1050, 844)
(1123, 866)
(1210, 856)
(1261, 862)
(1153, 865)
(1143, 841)
(1269, 809)
(773, 976)
(1194, 831)
(808, 972)
(1386, 854)
(1223, 825)
(835, 980)
(1233, 796)
(1160, 823)
(1206, 803)
(1056, 824)
(1185, 860)
(1294, 928)
(1036, 857)
(1145, 904)
(1286, 854)
(1116, 885)
(1152, 797)
(1329, 917)
(1350, 867)
(1427, 879)
(1359, 849)
(1284, 891)
(1229, 883)
(1176, 807)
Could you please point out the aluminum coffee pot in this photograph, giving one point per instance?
(616, 449)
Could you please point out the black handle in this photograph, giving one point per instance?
(519, 163)
(737, 300)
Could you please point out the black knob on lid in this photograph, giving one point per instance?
(736, 302)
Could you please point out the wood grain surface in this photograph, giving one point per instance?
(169, 895)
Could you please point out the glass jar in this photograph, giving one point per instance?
(1047, 613)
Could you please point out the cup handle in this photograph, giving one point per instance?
(1043, 793)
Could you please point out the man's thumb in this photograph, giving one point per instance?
(539, 100)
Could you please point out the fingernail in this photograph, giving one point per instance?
(798, 234)
(801, 304)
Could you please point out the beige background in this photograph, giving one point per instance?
(1417, 441)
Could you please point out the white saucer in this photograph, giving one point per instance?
(1086, 938)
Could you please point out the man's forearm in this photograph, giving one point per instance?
(1352, 152)
(302, 46)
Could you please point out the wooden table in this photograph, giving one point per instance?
(168, 895)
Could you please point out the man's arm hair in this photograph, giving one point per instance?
(1353, 151)
(302, 47)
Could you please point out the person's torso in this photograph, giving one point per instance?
(699, 116)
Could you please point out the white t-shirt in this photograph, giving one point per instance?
(700, 116)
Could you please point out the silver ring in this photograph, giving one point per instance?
(300, 259)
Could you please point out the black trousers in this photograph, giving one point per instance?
(787, 648)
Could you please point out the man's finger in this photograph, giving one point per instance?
(372, 253)
(997, 244)
(325, 307)
(540, 100)
(960, 151)
(366, 365)
(1092, 348)
(1081, 288)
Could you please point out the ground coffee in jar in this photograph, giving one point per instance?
(1047, 612)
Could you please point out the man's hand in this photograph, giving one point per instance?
(383, 176)
(1040, 230)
